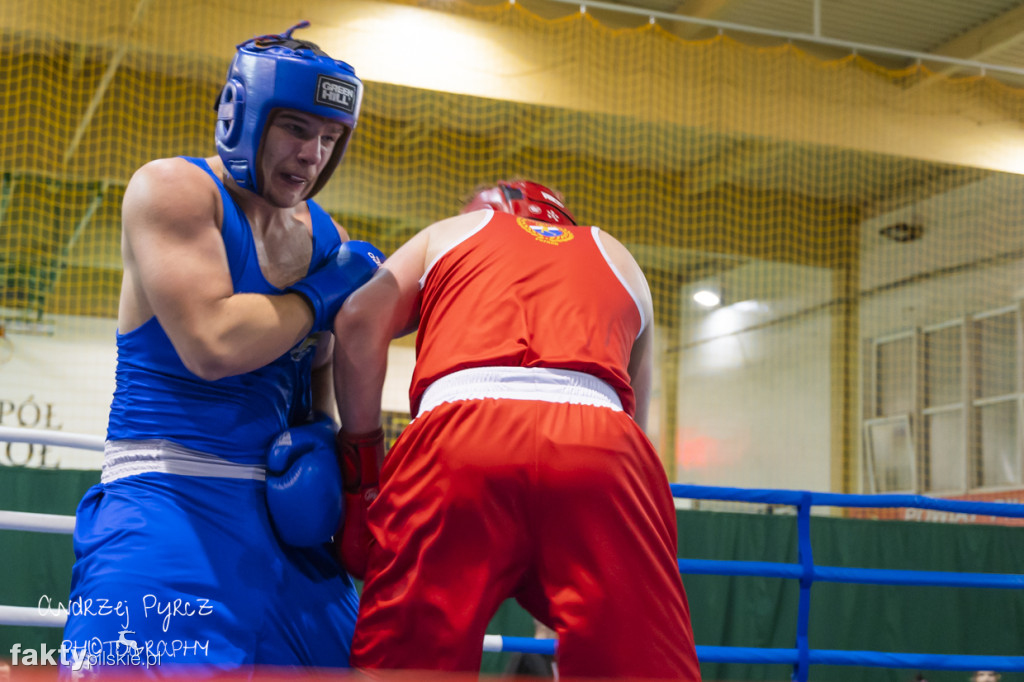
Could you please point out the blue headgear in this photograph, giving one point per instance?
(278, 71)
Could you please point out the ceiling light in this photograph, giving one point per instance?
(707, 298)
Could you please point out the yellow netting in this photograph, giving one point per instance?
(785, 181)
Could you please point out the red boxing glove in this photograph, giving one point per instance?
(358, 454)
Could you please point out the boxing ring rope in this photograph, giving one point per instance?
(10, 434)
(805, 571)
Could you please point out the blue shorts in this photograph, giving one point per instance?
(182, 570)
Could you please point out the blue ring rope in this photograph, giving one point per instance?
(863, 576)
(794, 497)
(802, 657)
(869, 659)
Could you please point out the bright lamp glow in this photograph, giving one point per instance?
(707, 298)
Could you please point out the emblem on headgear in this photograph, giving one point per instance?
(524, 199)
(280, 72)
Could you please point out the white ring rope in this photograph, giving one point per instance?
(44, 437)
(492, 643)
(42, 523)
(31, 616)
(37, 523)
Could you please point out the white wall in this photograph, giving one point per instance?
(401, 360)
(754, 404)
(62, 381)
(970, 258)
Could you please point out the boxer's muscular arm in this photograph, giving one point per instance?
(363, 330)
(322, 378)
(386, 307)
(176, 268)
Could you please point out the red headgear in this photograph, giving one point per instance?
(522, 198)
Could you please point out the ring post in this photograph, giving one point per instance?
(806, 558)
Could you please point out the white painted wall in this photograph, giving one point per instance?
(754, 404)
(64, 382)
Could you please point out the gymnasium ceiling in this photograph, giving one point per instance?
(988, 32)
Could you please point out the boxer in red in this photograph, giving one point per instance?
(526, 472)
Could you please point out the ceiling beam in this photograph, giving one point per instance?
(700, 9)
(985, 40)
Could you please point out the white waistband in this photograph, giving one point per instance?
(124, 458)
(521, 383)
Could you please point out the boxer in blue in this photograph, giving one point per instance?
(206, 543)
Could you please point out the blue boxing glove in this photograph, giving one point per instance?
(304, 484)
(327, 288)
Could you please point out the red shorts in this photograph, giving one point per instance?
(565, 507)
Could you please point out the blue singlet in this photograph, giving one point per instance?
(179, 569)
